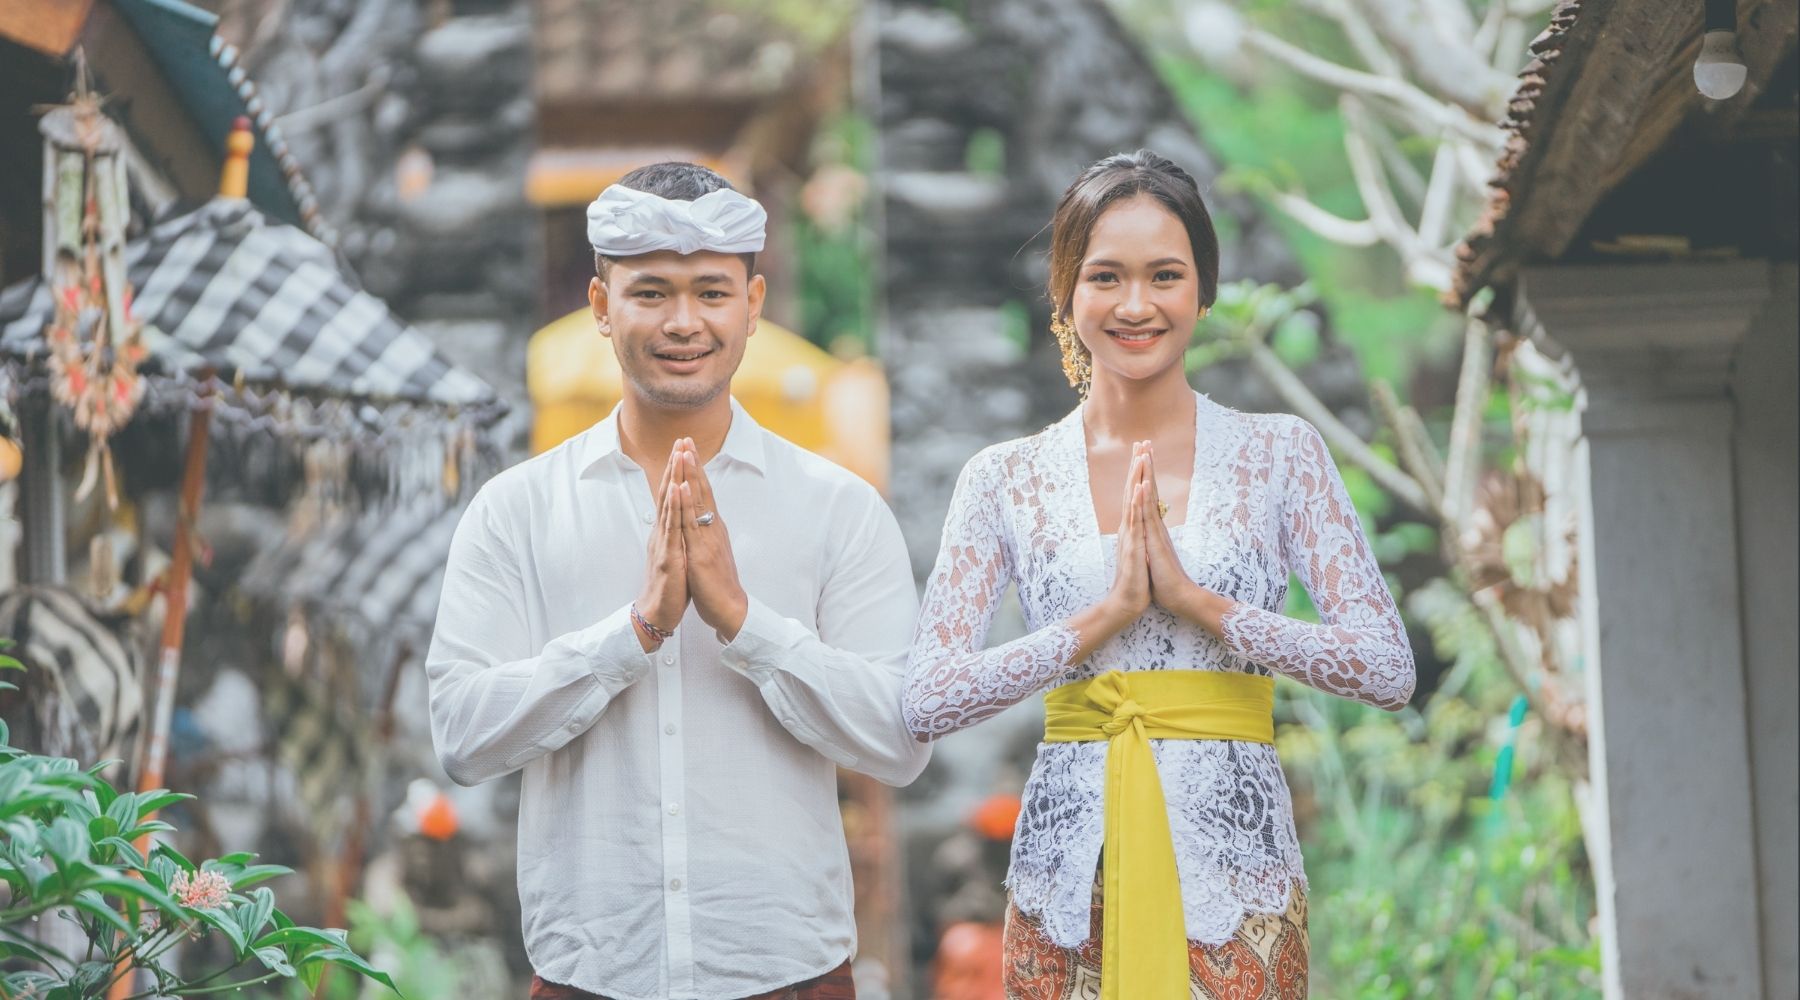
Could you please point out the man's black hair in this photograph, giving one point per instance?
(675, 180)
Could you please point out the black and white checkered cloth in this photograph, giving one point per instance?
(376, 571)
(224, 288)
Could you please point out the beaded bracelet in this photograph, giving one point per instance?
(659, 634)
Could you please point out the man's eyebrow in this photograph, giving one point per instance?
(715, 278)
(650, 279)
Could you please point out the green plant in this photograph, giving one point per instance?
(67, 852)
(422, 965)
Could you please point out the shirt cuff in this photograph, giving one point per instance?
(763, 643)
(613, 652)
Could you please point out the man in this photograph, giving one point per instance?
(676, 691)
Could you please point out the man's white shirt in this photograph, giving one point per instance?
(679, 833)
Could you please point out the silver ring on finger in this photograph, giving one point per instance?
(705, 518)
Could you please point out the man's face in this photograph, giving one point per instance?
(678, 322)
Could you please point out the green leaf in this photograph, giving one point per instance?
(157, 801)
(228, 926)
(90, 902)
(128, 852)
(67, 840)
(258, 873)
(293, 936)
(252, 915)
(348, 959)
(164, 850)
(275, 960)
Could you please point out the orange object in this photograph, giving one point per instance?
(438, 821)
(969, 963)
(997, 817)
(234, 180)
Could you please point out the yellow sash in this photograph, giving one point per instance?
(1144, 945)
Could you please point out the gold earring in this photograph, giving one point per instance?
(1078, 364)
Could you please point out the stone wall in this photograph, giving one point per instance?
(414, 121)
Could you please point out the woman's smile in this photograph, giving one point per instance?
(1136, 338)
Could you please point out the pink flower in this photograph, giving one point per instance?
(204, 891)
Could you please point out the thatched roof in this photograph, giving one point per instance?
(1609, 85)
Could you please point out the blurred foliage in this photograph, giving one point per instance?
(812, 24)
(1423, 883)
(1278, 133)
(422, 965)
(833, 246)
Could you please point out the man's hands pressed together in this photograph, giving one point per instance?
(712, 572)
(687, 559)
(664, 598)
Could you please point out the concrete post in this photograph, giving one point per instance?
(1662, 617)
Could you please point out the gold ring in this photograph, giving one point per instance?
(1162, 509)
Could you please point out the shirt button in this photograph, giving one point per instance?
(674, 885)
(649, 517)
(787, 723)
(674, 809)
(669, 729)
(668, 660)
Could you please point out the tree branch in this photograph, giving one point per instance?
(1463, 465)
(1342, 440)
(1399, 91)
(1336, 228)
(1417, 454)
(1434, 214)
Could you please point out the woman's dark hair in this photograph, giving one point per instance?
(675, 180)
(1116, 178)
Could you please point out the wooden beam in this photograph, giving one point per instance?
(141, 98)
(49, 26)
(1620, 87)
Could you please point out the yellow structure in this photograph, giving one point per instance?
(836, 408)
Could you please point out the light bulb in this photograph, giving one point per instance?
(1719, 72)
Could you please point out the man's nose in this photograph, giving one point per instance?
(683, 318)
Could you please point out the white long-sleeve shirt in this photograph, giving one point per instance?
(679, 833)
(1265, 500)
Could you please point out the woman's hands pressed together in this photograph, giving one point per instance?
(1148, 569)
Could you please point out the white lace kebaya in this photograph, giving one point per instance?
(1265, 499)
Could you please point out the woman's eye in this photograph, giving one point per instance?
(1168, 276)
(1103, 276)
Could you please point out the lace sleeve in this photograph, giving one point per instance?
(1359, 650)
(951, 681)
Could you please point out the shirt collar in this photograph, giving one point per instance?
(743, 443)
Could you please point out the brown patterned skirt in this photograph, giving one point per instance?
(833, 985)
(1264, 960)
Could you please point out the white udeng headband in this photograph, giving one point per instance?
(625, 222)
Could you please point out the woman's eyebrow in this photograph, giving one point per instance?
(1159, 262)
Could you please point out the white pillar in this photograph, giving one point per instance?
(1661, 618)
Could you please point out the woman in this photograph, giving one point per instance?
(1151, 534)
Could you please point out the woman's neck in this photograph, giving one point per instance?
(647, 432)
(1121, 409)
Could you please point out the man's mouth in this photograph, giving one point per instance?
(683, 358)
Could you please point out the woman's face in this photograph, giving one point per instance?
(1137, 295)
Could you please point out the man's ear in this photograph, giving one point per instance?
(597, 301)
(757, 290)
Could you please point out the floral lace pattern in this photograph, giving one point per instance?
(1265, 499)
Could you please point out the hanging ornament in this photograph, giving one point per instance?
(94, 342)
